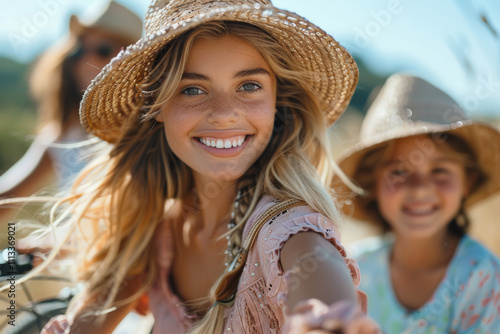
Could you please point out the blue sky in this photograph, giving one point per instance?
(445, 41)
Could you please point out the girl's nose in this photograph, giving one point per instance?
(419, 184)
(224, 110)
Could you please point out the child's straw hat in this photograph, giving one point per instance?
(408, 106)
(116, 91)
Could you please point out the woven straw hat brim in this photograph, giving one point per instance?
(116, 92)
(483, 139)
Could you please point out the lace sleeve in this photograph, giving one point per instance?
(274, 235)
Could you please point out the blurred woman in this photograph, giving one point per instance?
(57, 82)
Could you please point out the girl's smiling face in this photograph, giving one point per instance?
(421, 187)
(221, 117)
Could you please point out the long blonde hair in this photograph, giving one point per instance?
(118, 201)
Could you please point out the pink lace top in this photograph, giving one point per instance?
(259, 305)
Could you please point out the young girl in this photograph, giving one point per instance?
(220, 112)
(422, 164)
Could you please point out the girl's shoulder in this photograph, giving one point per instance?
(474, 280)
(473, 256)
(275, 233)
(291, 221)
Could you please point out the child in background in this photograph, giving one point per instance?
(216, 116)
(423, 164)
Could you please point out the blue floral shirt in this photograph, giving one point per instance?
(466, 301)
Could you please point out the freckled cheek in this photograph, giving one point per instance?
(172, 140)
(453, 196)
(387, 204)
(449, 188)
(388, 200)
(262, 115)
(389, 186)
(176, 131)
(180, 119)
(382, 191)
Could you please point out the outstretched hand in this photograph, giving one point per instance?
(315, 317)
(57, 325)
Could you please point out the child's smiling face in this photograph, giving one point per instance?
(421, 187)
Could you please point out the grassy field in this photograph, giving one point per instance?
(17, 112)
(16, 129)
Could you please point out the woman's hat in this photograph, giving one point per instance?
(408, 106)
(116, 91)
(114, 19)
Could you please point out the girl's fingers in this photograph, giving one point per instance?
(362, 326)
(56, 325)
(315, 317)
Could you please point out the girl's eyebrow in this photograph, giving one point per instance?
(447, 160)
(393, 162)
(240, 74)
(194, 76)
(399, 161)
(254, 71)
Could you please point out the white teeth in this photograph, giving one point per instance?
(419, 211)
(223, 143)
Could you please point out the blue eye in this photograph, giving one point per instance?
(192, 91)
(250, 86)
(398, 172)
(440, 171)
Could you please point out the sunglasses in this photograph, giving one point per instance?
(102, 50)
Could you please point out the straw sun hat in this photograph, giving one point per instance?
(408, 106)
(116, 92)
(114, 19)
